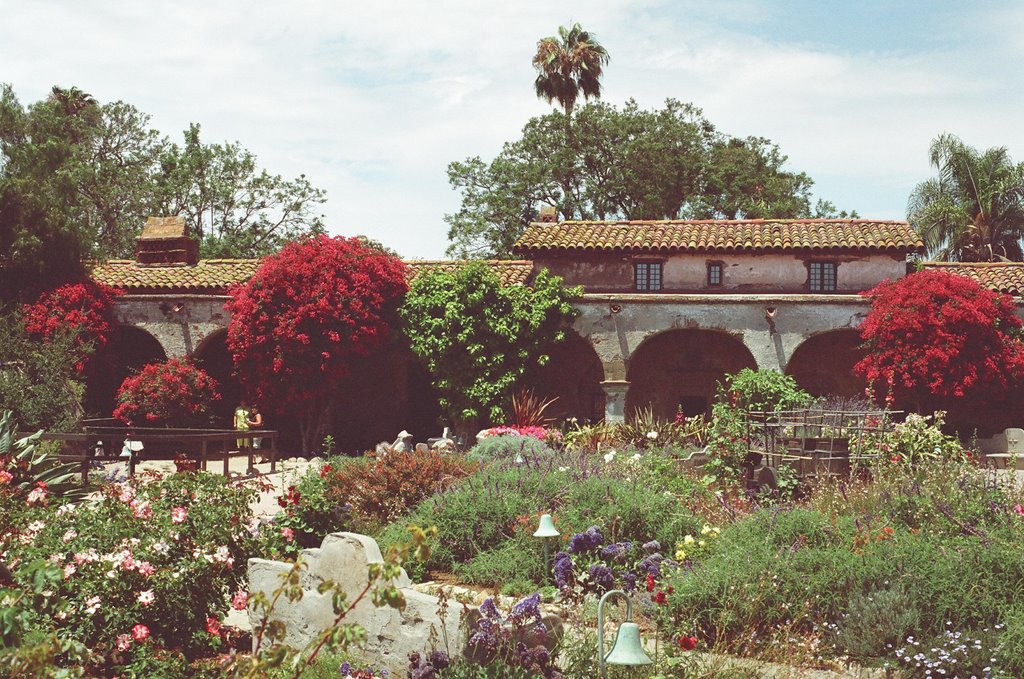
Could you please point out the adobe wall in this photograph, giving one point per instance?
(768, 273)
(179, 322)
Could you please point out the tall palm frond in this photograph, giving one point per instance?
(974, 209)
(568, 65)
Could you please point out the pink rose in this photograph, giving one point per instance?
(240, 600)
(1019, 510)
(123, 642)
(178, 515)
(288, 534)
(140, 632)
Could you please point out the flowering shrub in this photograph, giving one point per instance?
(175, 393)
(589, 566)
(915, 439)
(307, 313)
(84, 309)
(144, 566)
(936, 333)
(539, 433)
(509, 446)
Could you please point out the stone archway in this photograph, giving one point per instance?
(823, 364)
(127, 352)
(681, 369)
(573, 375)
(213, 356)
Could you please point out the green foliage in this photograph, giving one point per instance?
(38, 381)
(569, 65)
(875, 623)
(747, 390)
(478, 337)
(508, 447)
(31, 463)
(488, 516)
(668, 163)
(78, 178)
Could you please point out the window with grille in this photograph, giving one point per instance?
(714, 273)
(647, 276)
(822, 277)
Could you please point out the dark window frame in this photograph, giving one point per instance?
(648, 276)
(713, 268)
(822, 275)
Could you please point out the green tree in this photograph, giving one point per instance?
(668, 163)
(478, 338)
(234, 207)
(38, 381)
(568, 65)
(973, 211)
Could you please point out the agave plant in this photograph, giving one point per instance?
(31, 463)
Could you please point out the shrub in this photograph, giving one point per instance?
(382, 487)
(875, 623)
(508, 447)
(175, 393)
(86, 310)
(144, 565)
(499, 504)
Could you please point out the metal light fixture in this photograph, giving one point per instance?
(628, 648)
(545, 530)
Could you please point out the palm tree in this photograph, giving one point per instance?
(974, 210)
(567, 65)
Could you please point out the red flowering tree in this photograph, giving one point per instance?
(85, 310)
(304, 317)
(934, 339)
(174, 393)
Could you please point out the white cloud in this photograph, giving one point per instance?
(372, 100)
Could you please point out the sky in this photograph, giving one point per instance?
(372, 100)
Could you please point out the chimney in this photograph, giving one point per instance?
(548, 214)
(166, 240)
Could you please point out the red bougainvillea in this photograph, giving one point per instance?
(937, 334)
(174, 393)
(85, 309)
(307, 313)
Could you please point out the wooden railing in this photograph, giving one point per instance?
(107, 444)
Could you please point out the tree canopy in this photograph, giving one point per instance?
(307, 313)
(973, 211)
(568, 65)
(629, 163)
(78, 179)
(478, 337)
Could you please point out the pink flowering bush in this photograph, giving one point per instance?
(143, 567)
(174, 393)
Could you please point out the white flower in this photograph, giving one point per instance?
(146, 597)
(563, 469)
(92, 604)
(161, 547)
(652, 434)
(70, 535)
(609, 456)
(636, 456)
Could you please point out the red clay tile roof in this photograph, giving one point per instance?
(213, 276)
(511, 272)
(208, 276)
(1005, 277)
(744, 235)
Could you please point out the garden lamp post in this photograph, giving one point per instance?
(627, 649)
(546, 530)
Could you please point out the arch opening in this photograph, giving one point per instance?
(125, 354)
(823, 365)
(680, 370)
(573, 375)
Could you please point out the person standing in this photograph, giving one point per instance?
(242, 423)
(256, 422)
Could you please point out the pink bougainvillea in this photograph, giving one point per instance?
(85, 309)
(933, 333)
(309, 312)
(173, 393)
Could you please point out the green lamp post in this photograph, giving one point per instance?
(545, 531)
(627, 649)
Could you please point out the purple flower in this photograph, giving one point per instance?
(587, 541)
(439, 659)
(489, 610)
(629, 581)
(652, 546)
(345, 669)
(563, 570)
(651, 565)
(602, 577)
(528, 608)
(617, 552)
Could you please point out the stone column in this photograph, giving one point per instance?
(615, 400)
